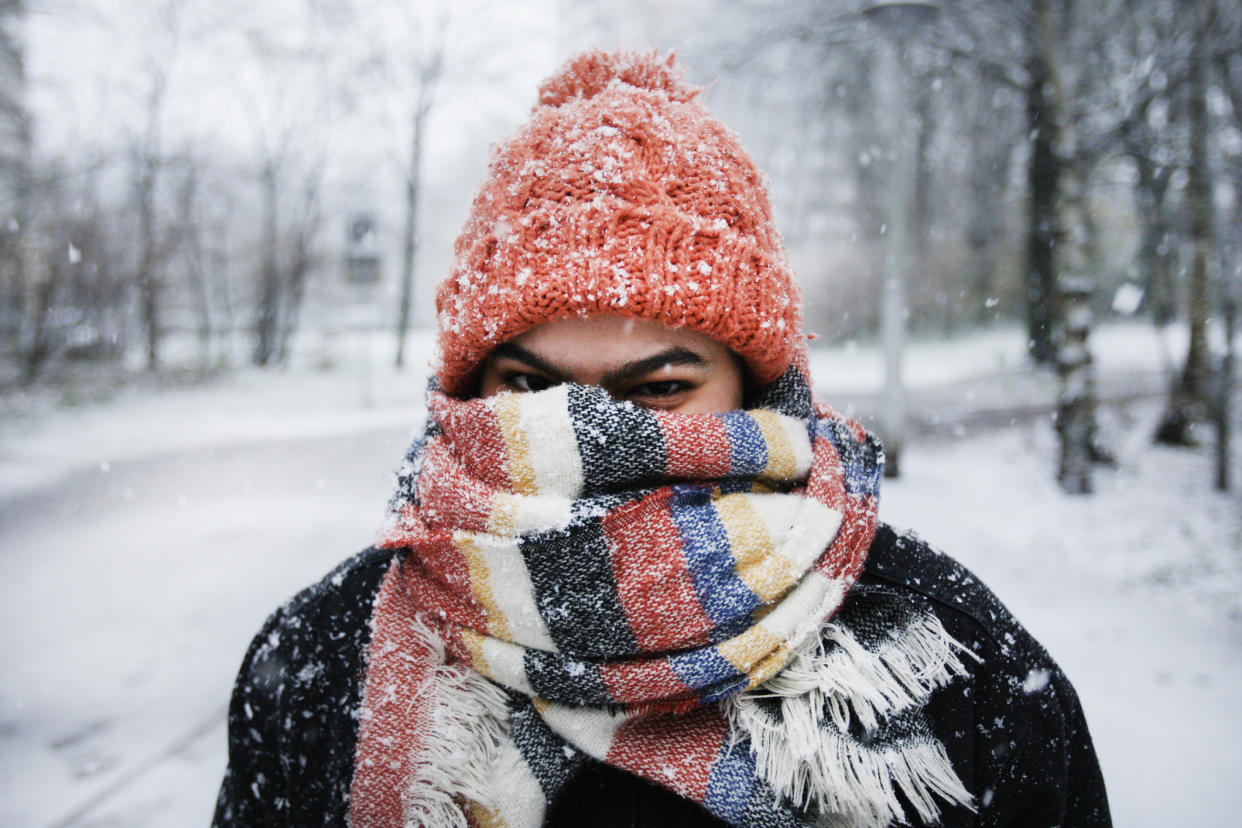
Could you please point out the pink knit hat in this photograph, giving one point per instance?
(622, 195)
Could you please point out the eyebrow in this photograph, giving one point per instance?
(631, 371)
(674, 355)
(514, 351)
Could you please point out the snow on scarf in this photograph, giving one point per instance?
(653, 590)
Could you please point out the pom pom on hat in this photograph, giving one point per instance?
(588, 74)
(621, 195)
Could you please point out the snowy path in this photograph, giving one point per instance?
(130, 596)
(1135, 591)
(141, 544)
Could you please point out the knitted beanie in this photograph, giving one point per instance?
(621, 195)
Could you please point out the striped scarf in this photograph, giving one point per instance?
(662, 592)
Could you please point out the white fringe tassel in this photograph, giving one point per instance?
(469, 719)
(813, 765)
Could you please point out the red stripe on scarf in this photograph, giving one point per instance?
(474, 424)
(697, 446)
(855, 536)
(826, 482)
(653, 582)
(644, 681)
(456, 500)
(676, 751)
(441, 580)
(392, 725)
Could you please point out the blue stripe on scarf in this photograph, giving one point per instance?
(862, 463)
(723, 690)
(748, 452)
(705, 546)
(730, 783)
(703, 668)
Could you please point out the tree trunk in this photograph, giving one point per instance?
(218, 270)
(1076, 404)
(409, 251)
(267, 311)
(1043, 176)
(920, 199)
(15, 235)
(39, 346)
(148, 279)
(191, 239)
(1224, 391)
(985, 230)
(299, 269)
(296, 290)
(1189, 397)
(151, 256)
(1155, 241)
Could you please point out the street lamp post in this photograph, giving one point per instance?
(363, 270)
(899, 23)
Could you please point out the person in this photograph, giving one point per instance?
(633, 572)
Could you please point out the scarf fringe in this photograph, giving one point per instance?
(854, 784)
(873, 684)
(812, 763)
(468, 720)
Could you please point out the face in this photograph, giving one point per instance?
(647, 363)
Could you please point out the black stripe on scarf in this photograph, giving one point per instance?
(788, 395)
(572, 575)
(621, 445)
(562, 679)
(543, 751)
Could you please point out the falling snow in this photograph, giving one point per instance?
(128, 615)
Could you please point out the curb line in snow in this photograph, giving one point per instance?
(137, 771)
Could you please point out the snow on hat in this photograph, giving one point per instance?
(621, 195)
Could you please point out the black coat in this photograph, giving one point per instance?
(1013, 727)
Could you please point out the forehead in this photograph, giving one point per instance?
(613, 340)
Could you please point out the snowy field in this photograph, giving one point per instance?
(142, 542)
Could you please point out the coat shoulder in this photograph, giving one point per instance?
(1014, 726)
(912, 565)
(292, 718)
(341, 597)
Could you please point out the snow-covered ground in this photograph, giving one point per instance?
(142, 542)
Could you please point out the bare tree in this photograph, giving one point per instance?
(426, 70)
(420, 49)
(301, 259)
(290, 102)
(1189, 398)
(15, 176)
(154, 239)
(190, 245)
(1229, 67)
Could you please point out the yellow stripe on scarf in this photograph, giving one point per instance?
(782, 460)
(766, 572)
(509, 415)
(502, 518)
(474, 645)
(481, 584)
(750, 648)
(485, 817)
(769, 666)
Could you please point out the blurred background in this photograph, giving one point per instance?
(1018, 228)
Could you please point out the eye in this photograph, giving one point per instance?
(527, 383)
(659, 388)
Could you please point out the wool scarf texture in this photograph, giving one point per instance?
(667, 593)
